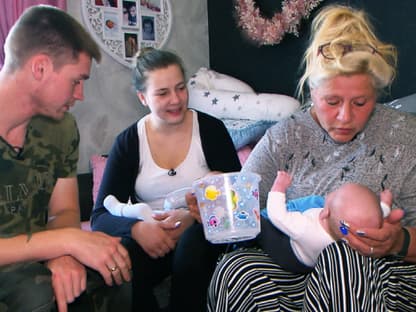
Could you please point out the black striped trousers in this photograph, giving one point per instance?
(342, 280)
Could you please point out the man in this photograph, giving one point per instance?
(44, 253)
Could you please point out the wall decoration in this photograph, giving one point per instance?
(148, 28)
(107, 3)
(130, 45)
(130, 13)
(122, 27)
(111, 25)
(150, 6)
(270, 31)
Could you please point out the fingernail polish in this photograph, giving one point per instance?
(360, 233)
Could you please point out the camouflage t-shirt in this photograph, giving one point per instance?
(27, 179)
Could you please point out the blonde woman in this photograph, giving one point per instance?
(344, 136)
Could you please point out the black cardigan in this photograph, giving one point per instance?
(123, 165)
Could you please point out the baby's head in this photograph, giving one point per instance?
(354, 203)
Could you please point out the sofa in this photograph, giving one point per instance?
(85, 184)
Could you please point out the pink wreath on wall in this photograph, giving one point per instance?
(270, 31)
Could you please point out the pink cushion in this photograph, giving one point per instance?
(97, 166)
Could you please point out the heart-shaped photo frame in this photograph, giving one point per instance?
(123, 27)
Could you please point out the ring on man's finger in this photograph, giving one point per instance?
(113, 269)
(371, 250)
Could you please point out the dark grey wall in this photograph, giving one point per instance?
(275, 68)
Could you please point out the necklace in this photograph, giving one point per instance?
(172, 172)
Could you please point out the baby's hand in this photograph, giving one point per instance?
(282, 182)
(386, 198)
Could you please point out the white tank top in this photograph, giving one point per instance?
(153, 183)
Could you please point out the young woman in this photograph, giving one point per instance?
(164, 151)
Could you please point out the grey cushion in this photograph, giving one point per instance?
(244, 131)
(405, 104)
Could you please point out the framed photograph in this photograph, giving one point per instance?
(151, 6)
(148, 28)
(107, 3)
(130, 11)
(131, 44)
(111, 25)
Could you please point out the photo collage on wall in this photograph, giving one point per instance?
(134, 22)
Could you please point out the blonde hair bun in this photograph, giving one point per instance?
(352, 48)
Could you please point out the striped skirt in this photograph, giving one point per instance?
(342, 280)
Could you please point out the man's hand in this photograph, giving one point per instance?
(69, 280)
(102, 253)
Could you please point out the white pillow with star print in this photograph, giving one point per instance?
(209, 79)
(243, 105)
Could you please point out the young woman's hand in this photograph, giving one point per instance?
(152, 238)
(175, 221)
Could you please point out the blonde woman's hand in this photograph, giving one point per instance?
(381, 242)
(192, 203)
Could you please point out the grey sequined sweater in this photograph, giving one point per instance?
(382, 156)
